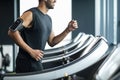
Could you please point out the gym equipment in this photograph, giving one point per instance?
(65, 48)
(110, 66)
(0, 61)
(89, 39)
(48, 62)
(116, 76)
(5, 60)
(93, 55)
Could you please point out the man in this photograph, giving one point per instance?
(31, 31)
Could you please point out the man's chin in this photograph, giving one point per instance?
(51, 8)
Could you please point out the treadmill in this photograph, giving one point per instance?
(116, 76)
(94, 54)
(67, 47)
(48, 62)
(110, 67)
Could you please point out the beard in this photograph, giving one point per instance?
(49, 6)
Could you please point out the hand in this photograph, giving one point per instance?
(37, 54)
(72, 25)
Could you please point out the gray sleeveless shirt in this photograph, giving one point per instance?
(37, 36)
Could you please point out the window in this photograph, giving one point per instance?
(61, 15)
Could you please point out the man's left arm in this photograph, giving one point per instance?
(53, 40)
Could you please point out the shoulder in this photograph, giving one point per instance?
(28, 13)
(27, 18)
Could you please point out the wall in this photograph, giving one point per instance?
(118, 34)
(6, 19)
(84, 12)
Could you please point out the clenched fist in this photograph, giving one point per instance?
(72, 25)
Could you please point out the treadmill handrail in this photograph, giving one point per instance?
(62, 48)
(72, 52)
(109, 66)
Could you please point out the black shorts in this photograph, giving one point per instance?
(25, 64)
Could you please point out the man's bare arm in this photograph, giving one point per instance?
(15, 35)
(53, 40)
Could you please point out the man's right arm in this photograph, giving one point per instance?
(15, 35)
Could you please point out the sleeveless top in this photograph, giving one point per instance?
(37, 36)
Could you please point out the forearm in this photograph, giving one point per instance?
(19, 41)
(59, 37)
(53, 40)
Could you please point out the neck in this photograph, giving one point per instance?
(43, 8)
